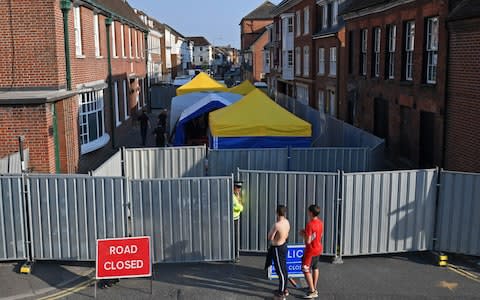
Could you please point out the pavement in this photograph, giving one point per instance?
(407, 276)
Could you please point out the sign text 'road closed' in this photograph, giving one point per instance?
(124, 257)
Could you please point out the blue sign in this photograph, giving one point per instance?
(294, 263)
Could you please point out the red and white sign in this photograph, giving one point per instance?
(123, 258)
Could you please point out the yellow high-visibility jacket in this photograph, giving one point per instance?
(237, 207)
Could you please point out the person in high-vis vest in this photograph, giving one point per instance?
(237, 210)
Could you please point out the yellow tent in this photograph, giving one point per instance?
(256, 121)
(243, 88)
(201, 83)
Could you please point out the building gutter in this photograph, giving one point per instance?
(147, 79)
(108, 23)
(65, 5)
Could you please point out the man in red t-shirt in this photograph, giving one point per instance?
(312, 235)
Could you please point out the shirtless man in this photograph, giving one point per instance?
(278, 235)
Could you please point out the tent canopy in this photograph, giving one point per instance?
(257, 122)
(180, 103)
(243, 88)
(201, 82)
(208, 103)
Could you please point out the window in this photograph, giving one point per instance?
(321, 61)
(331, 103)
(136, 43)
(351, 42)
(306, 20)
(335, 12)
(92, 127)
(130, 44)
(409, 47)
(432, 50)
(122, 40)
(142, 51)
(299, 24)
(290, 58)
(298, 57)
(302, 94)
(376, 52)
(333, 61)
(391, 41)
(77, 23)
(363, 52)
(114, 42)
(290, 24)
(201, 48)
(125, 100)
(96, 35)
(325, 16)
(306, 61)
(200, 58)
(116, 104)
(321, 101)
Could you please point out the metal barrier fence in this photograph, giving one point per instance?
(112, 167)
(12, 221)
(172, 162)
(458, 227)
(224, 162)
(265, 190)
(69, 213)
(388, 212)
(11, 164)
(189, 219)
(329, 159)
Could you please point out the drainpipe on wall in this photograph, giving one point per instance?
(146, 84)
(108, 23)
(65, 5)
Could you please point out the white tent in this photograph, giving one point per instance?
(180, 103)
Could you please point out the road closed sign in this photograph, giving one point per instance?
(123, 258)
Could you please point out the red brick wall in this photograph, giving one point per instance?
(248, 27)
(258, 56)
(27, 55)
(416, 95)
(462, 151)
(67, 122)
(35, 122)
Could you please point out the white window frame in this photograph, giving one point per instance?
(409, 49)
(306, 20)
(306, 61)
(130, 41)
(335, 12)
(298, 23)
(116, 103)
(432, 50)
(290, 59)
(298, 58)
(114, 42)
(321, 61)
(377, 33)
(392, 40)
(125, 101)
(325, 16)
(91, 103)
(122, 39)
(290, 24)
(364, 49)
(333, 62)
(142, 51)
(96, 35)
(77, 21)
(321, 101)
(135, 36)
(332, 102)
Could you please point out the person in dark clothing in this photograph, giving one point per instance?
(278, 236)
(144, 125)
(159, 133)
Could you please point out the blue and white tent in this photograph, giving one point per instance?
(193, 106)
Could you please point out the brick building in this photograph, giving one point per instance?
(462, 138)
(396, 63)
(60, 87)
(253, 38)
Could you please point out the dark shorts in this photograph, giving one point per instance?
(309, 262)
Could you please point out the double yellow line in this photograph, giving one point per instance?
(69, 291)
(464, 273)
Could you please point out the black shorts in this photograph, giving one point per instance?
(315, 261)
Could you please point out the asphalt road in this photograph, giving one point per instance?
(412, 276)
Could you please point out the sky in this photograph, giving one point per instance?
(217, 20)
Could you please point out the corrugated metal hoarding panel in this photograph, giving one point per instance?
(388, 212)
(329, 159)
(458, 226)
(69, 213)
(188, 219)
(11, 164)
(111, 168)
(265, 190)
(171, 162)
(224, 162)
(12, 222)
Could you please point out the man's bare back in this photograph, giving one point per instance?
(279, 232)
